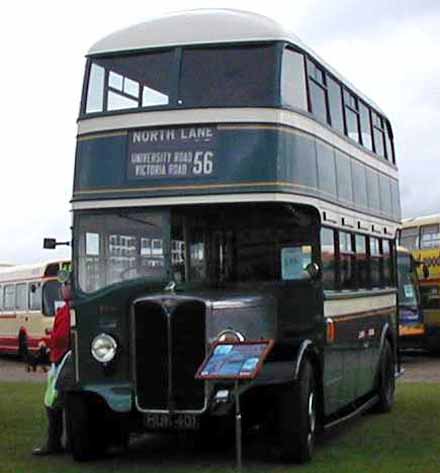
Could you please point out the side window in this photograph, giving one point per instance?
(1, 298)
(373, 189)
(351, 108)
(379, 135)
(361, 261)
(293, 80)
(328, 258)
(409, 238)
(21, 297)
(429, 236)
(34, 290)
(430, 297)
(389, 143)
(9, 297)
(335, 104)
(366, 138)
(318, 91)
(376, 263)
(387, 263)
(346, 261)
(359, 173)
(385, 195)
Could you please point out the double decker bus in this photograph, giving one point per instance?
(229, 185)
(411, 323)
(29, 298)
(421, 235)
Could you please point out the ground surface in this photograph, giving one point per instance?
(418, 367)
(405, 441)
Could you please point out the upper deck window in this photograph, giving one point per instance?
(430, 236)
(293, 80)
(129, 82)
(364, 113)
(335, 104)
(228, 76)
(209, 77)
(318, 91)
(352, 116)
(379, 135)
(409, 238)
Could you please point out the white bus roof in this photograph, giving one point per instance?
(24, 272)
(418, 221)
(206, 26)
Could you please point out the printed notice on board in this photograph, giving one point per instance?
(169, 153)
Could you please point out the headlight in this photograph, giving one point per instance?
(230, 335)
(104, 348)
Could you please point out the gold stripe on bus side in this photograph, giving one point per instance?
(363, 315)
(102, 135)
(201, 186)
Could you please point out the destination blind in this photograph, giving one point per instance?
(176, 152)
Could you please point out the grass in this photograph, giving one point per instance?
(405, 441)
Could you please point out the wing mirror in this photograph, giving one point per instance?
(52, 243)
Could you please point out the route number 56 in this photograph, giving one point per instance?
(203, 162)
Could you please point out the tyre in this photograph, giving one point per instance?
(297, 419)
(386, 380)
(86, 432)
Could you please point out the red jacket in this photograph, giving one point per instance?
(59, 342)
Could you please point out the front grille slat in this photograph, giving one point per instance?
(186, 329)
(151, 362)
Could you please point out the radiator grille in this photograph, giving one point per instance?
(168, 351)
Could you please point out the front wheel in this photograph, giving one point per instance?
(298, 413)
(86, 435)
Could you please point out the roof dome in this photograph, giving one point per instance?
(194, 27)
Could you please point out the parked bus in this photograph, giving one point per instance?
(229, 185)
(411, 324)
(421, 236)
(29, 297)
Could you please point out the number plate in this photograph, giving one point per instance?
(171, 422)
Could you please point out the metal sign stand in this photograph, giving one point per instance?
(231, 362)
(238, 441)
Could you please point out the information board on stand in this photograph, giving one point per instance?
(235, 361)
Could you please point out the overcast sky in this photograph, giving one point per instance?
(387, 49)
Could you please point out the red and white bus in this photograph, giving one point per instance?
(29, 298)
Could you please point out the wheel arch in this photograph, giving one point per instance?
(309, 351)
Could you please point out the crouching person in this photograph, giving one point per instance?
(59, 356)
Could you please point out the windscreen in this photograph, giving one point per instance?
(188, 77)
(203, 245)
(52, 299)
(407, 280)
(120, 246)
(229, 76)
(240, 244)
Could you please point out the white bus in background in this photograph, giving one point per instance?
(29, 298)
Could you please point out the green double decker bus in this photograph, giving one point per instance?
(229, 186)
